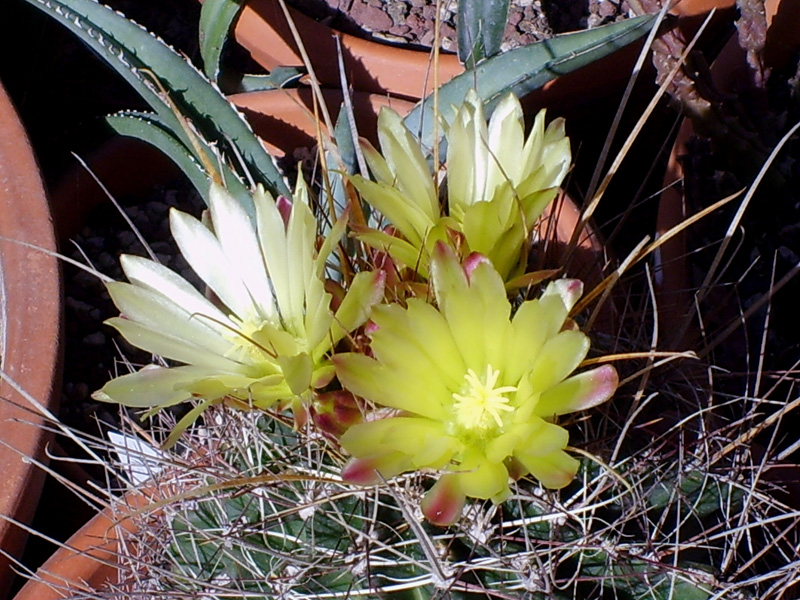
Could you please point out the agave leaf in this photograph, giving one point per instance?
(280, 77)
(525, 69)
(216, 18)
(138, 56)
(480, 24)
(149, 128)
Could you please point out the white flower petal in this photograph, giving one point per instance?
(140, 461)
(506, 137)
(156, 311)
(237, 237)
(272, 239)
(150, 275)
(301, 234)
(203, 252)
(161, 344)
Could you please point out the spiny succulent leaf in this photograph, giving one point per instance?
(216, 18)
(480, 25)
(280, 77)
(137, 56)
(525, 69)
(149, 128)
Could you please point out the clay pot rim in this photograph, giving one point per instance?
(31, 315)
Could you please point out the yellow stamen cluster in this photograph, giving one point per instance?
(482, 403)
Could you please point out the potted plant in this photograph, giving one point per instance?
(363, 416)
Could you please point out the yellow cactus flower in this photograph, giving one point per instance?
(474, 392)
(268, 343)
(498, 184)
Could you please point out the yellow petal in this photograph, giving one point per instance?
(401, 251)
(406, 160)
(365, 291)
(477, 312)
(479, 477)
(422, 440)
(579, 392)
(367, 378)
(410, 219)
(297, 370)
(404, 343)
(555, 470)
(558, 358)
(534, 322)
(152, 387)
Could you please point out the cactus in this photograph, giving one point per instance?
(296, 531)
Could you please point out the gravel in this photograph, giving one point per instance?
(94, 351)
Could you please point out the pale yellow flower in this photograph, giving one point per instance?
(475, 392)
(498, 184)
(267, 342)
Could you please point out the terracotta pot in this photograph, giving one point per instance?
(370, 66)
(672, 283)
(88, 560)
(698, 8)
(84, 564)
(692, 13)
(396, 70)
(30, 328)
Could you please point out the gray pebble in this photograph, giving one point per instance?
(97, 338)
(127, 240)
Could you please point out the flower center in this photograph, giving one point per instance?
(243, 346)
(482, 404)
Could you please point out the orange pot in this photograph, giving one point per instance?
(89, 559)
(30, 332)
(285, 119)
(373, 67)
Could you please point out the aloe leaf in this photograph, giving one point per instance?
(480, 25)
(136, 55)
(525, 69)
(216, 18)
(149, 128)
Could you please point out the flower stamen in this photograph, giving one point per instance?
(482, 402)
